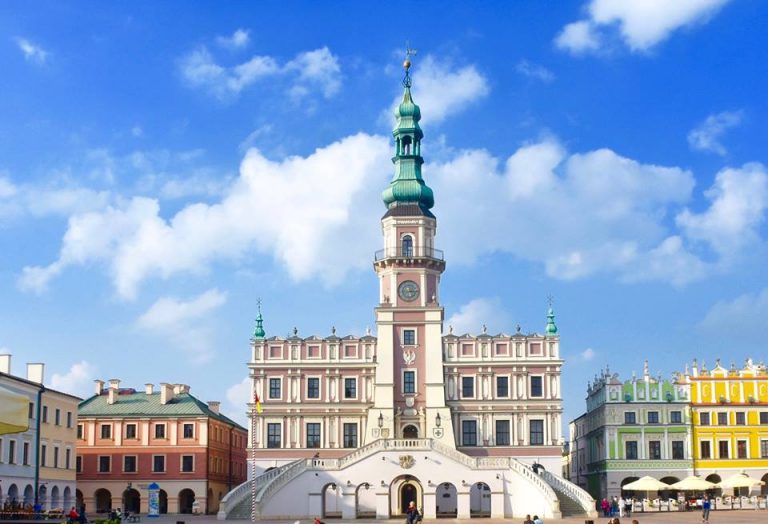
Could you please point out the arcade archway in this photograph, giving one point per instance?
(480, 500)
(447, 499)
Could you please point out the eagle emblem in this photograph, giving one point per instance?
(407, 461)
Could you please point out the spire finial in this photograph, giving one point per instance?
(258, 332)
(551, 329)
(407, 64)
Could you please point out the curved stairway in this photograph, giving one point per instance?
(574, 501)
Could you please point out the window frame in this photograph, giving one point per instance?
(134, 427)
(270, 435)
(100, 462)
(25, 447)
(181, 464)
(409, 340)
(271, 390)
(740, 418)
(135, 464)
(346, 442)
(506, 379)
(705, 415)
(531, 432)
(406, 383)
(632, 415)
(108, 427)
(160, 428)
(627, 450)
(742, 445)
(708, 444)
(681, 448)
(347, 390)
(469, 429)
(309, 389)
(675, 417)
(463, 386)
(722, 418)
(530, 386)
(504, 431)
(154, 463)
(654, 450)
(720, 448)
(317, 439)
(184, 427)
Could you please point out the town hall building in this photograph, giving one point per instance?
(463, 425)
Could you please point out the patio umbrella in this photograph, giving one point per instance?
(740, 480)
(646, 484)
(693, 483)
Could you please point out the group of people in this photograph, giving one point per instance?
(536, 520)
(617, 507)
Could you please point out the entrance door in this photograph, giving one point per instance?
(410, 431)
(407, 495)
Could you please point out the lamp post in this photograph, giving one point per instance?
(438, 421)
(381, 420)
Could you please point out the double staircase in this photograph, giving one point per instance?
(574, 501)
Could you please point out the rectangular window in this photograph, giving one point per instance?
(409, 382)
(189, 430)
(11, 452)
(313, 435)
(69, 419)
(537, 387)
(106, 431)
(467, 350)
(676, 417)
(187, 463)
(78, 464)
(57, 417)
(55, 456)
(409, 337)
(741, 449)
(502, 349)
(706, 450)
(31, 410)
(704, 419)
(502, 433)
(350, 351)
(723, 449)
(159, 430)
(67, 458)
(313, 352)
(313, 388)
(105, 464)
(158, 463)
(678, 450)
(764, 449)
(79, 431)
(45, 414)
(630, 450)
(764, 417)
(654, 450)
(741, 418)
(129, 463)
(469, 433)
(467, 387)
(275, 352)
(502, 387)
(350, 435)
(653, 417)
(130, 431)
(274, 388)
(722, 419)
(350, 388)
(537, 432)
(274, 437)
(43, 455)
(630, 417)
(25, 453)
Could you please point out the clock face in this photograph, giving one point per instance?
(409, 290)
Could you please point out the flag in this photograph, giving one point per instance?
(258, 402)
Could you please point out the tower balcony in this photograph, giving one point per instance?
(413, 255)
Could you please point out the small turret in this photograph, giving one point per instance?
(258, 332)
(551, 330)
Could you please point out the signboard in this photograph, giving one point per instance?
(154, 500)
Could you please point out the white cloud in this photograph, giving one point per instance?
(479, 312)
(641, 23)
(706, 136)
(739, 318)
(441, 91)
(526, 68)
(137, 131)
(318, 68)
(7, 188)
(32, 52)
(237, 40)
(588, 354)
(238, 396)
(77, 381)
(184, 323)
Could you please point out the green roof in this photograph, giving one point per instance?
(133, 404)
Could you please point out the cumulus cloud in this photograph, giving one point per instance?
(238, 396)
(479, 312)
(537, 72)
(706, 136)
(32, 52)
(588, 354)
(77, 381)
(641, 23)
(183, 322)
(318, 69)
(237, 40)
(737, 319)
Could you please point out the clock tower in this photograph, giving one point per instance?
(410, 389)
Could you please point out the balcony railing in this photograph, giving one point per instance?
(409, 252)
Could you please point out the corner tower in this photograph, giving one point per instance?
(410, 389)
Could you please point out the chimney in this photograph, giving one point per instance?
(176, 389)
(166, 393)
(35, 372)
(149, 388)
(114, 383)
(111, 395)
(99, 386)
(183, 388)
(213, 405)
(5, 363)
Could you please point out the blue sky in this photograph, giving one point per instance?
(162, 165)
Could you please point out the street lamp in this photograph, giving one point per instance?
(381, 420)
(438, 421)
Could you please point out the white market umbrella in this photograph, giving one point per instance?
(646, 484)
(740, 480)
(693, 483)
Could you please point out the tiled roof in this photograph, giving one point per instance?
(133, 404)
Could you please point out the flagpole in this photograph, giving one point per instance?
(253, 457)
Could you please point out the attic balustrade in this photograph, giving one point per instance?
(409, 252)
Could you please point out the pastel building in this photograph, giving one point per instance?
(37, 440)
(129, 439)
(361, 426)
(632, 428)
(730, 420)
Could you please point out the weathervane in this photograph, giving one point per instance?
(258, 304)
(550, 299)
(407, 64)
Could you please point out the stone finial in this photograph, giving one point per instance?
(485, 329)
(333, 330)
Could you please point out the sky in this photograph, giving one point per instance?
(164, 164)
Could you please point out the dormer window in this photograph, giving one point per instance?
(407, 245)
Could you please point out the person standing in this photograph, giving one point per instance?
(706, 504)
(537, 520)
(605, 506)
(527, 520)
(412, 515)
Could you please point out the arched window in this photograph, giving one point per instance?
(407, 246)
(406, 145)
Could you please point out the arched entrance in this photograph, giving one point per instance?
(629, 493)
(131, 500)
(480, 500)
(402, 491)
(163, 501)
(42, 496)
(365, 501)
(447, 500)
(29, 495)
(667, 494)
(210, 502)
(103, 499)
(13, 493)
(764, 487)
(79, 499)
(331, 501)
(55, 500)
(67, 502)
(410, 431)
(717, 492)
(186, 499)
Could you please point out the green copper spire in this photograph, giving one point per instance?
(259, 331)
(551, 327)
(407, 186)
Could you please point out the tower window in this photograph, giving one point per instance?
(409, 337)
(407, 246)
(407, 145)
(409, 382)
(469, 433)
